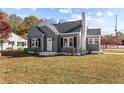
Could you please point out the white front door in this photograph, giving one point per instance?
(49, 44)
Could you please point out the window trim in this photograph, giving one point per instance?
(35, 39)
(93, 40)
(68, 42)
(21, 44)
(11, 43)
(89, 40)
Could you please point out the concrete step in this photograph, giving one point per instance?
(47, 53)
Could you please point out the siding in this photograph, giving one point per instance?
(93, 47)
(35, 33)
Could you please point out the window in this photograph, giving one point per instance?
(11, 43)
(21, 43)
(90, 40)
(34, 42)
(65, 42)
(93, 40)
(68, 41)
(96, 41)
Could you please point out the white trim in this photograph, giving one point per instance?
(68, 41)
(49, 47)
(35, 39)
(89, 41)
(97, 40)
(93, 38)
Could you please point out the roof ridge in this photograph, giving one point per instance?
(67, 22)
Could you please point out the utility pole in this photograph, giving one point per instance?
(116, 25)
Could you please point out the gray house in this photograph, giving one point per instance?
(63, 38)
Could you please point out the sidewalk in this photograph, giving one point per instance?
(111, 53)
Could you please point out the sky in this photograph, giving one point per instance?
(103, 18)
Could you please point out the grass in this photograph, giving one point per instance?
(24, 68)
(114, 50)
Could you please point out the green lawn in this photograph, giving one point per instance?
(23, 68)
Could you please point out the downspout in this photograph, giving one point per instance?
(42, 42)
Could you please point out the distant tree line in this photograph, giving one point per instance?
(21, 26)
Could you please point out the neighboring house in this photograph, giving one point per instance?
(64, 38)
(14, 41)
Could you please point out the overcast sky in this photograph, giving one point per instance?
(103, 18)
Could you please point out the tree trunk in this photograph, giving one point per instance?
(117, 45)
(0, 54)
(106, 45)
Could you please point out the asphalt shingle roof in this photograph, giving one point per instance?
(69, 27)
(94, 31)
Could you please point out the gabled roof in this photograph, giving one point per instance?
(48, 26)
(68, 27)
(15, 37)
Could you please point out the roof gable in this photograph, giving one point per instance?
(50, 26)
(35, 31)
(15, 37)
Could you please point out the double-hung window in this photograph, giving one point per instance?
(34, 42)
(93, 40)
(21, 43)
(68, 41)
(90, 40)
(96, 40)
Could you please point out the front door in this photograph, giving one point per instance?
(49, 44)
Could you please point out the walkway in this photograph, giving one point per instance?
(111, 53)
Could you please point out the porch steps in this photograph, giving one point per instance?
(47, 53)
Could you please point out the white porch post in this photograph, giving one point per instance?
(83, 33)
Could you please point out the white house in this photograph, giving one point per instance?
(16, 40)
